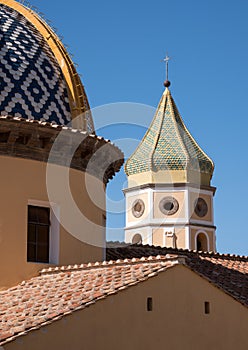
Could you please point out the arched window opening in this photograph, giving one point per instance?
(201, 242)
(137, 239)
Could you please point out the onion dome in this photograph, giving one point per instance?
(169, 147)
(38, 79)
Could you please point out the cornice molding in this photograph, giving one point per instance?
(166, 185)
(31, 139)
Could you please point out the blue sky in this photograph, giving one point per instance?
(119, 47)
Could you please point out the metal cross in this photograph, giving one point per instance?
(166, 60)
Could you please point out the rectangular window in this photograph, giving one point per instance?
(149, 304)
(38, 234)
(207, 307)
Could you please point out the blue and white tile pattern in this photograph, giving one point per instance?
(32, 84)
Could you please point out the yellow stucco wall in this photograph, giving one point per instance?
(23, 180)
(180, 234)
(169, 177)
(159, 238)
(177, 321)
(173, 176)
(143, 231)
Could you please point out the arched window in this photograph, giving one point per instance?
(202, 242)
(137, 239)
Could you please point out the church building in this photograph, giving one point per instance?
(62, 286)
(169, 199)
(47, 141)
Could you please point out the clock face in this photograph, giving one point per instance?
(168, 205)
(138, 208)
(201, 207)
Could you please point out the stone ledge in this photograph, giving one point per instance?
(30, 139)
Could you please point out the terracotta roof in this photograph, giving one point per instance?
(60, 291)
(226, 271)
(121, 250)
(167, 144)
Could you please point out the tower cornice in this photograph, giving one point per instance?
(166, 185)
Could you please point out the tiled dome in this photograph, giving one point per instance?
(168, 145)
(32, 84)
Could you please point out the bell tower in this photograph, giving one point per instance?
(169, 198)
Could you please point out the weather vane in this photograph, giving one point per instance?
(166, 60)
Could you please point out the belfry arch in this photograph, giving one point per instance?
(202, 242)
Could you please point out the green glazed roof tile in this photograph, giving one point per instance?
(168, 145)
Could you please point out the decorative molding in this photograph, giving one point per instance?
(168, 205)
(170, 186)
(202, 225)
(200, 207)
(205, 234)
(187, 238)
(176, 224)
(138, 208)
(30, 139)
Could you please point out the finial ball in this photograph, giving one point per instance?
(167, 83)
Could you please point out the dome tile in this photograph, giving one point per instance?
(168, 145)
(29, 69)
